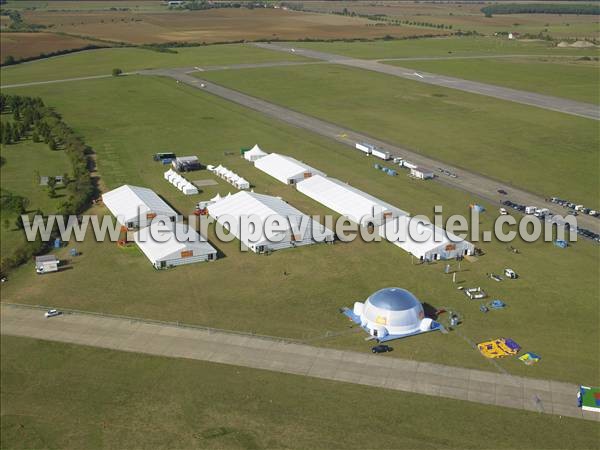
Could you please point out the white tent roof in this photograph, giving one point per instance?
(345, 199)
(284, 167)
(171, 248)
(264, 206)
(254, 153)
(127, 202)
(432, 237)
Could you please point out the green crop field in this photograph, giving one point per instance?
(102, 61)
(69, 396)
(134, 117)
(500, 139)
(569, 78)
(444, 46)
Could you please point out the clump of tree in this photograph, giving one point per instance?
(116, 72)
(541, 8)
(31, 115)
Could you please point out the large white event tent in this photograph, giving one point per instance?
(129, 204)
(358, 206)
(169, 245)
(425, 241)
(285, 168)
(262, 207)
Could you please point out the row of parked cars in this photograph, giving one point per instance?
(447, 172)
(574, 207)
(544, 213)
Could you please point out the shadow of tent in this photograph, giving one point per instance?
(430, 311)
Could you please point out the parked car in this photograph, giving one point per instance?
(502, 191)
(503, 212)
(509, 273)
(52, 313)
(381, 349)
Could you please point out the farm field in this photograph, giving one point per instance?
(127, 125)
(102, 61)
(214, 25)
(562, 77)
(26, 45)
(468, 17)
(87, 5)
(25, 161)
(446, 46)
(185, 403)
(464, 129)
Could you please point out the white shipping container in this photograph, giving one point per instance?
(381, 154)
(366, 148)
(409, 165)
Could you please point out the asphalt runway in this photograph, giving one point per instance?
(479, 185)
(383, 371)
(528, 98)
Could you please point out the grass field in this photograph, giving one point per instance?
(102, 61)
(467, 16)
(568, 78)
(464, 129)
(66, 396)
(445, 46)
(26, 45)
(19, 175)
(127, 125)
(214, 25)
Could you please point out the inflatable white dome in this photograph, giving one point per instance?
(392, 311)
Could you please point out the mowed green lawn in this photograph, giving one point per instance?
(568, 78)
(102, 61)
(66, 396)
(442, 46)
(25, 161)
(134, 117)
(546, 152)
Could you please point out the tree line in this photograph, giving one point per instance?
(31, 118)
(540, 8)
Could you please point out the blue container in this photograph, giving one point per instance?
(392, 172)
(57, 243)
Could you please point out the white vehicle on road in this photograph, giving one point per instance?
(503, 212)
(52, 313)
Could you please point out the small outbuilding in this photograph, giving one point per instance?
(186, 163)
(422, 173)
(173, 244)
(285, 168)
(46, 264)
(391, 313)
(129, 204)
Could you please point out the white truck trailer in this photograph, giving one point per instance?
(364, 147)
(370, 149)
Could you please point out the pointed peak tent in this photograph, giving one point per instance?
(254, 153)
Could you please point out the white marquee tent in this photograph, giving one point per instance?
(262, 207)
(254, 153)
(168, 246)
(346, 200)
(285, 168)
(130, 203)
(429, 243)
